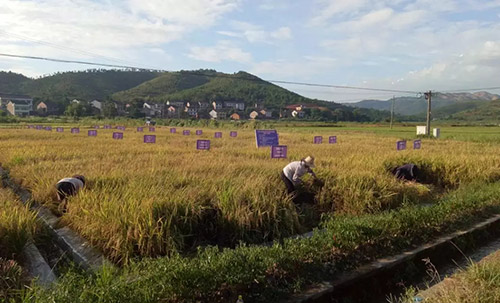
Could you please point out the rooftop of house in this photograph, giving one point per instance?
(12, 96)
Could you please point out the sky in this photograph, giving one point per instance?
(415, 45)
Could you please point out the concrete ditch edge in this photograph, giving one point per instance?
(36, 265)
(79, 249)
(325, 288)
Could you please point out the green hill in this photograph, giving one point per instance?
(488, 112)
(209, 85)
(443, 104)
(87, 85)
(12, 83)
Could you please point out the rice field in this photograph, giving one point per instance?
(146, 200)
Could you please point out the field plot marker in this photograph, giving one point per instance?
(186, 132)
(199, 132)
(318, 140)
(401, 145)
(140, 129)
(417, 144)
(266, 137)
(117, 135)
(202, 144)
(332, 139)
(173, 130)
(149, 138)
(279, 151)
(75, 130)
(233, 134)
(59, 129)
(218, 135)
(92, 133)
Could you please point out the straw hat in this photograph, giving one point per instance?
(309, 161)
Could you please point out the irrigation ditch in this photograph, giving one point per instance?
(58, 246)
(374, 282)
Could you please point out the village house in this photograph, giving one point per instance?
(253, 115)
(235, 116)
(17, 105)
(48, 108)
(96, 104)
(153, 109)
(217, 105)
(234, 105)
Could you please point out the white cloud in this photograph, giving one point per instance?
(282, 33)
(222, 51)
(295, 69)
(257, 34)
(111, 28)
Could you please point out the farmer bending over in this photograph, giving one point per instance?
(292, 173)
(69, 187)
(407, 172)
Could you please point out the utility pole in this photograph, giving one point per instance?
(428, 97)
(392, 109)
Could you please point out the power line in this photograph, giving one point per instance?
(62, 47)
(212, 75)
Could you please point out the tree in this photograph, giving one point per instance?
(75, 110)
(109, 110)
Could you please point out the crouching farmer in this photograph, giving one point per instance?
(69, 187)
(407, 172)
(293, 172)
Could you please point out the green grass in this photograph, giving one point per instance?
(266, 274)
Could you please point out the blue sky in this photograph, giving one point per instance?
(395, 44)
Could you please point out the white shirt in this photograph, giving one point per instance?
(77, 183)
(295, 170)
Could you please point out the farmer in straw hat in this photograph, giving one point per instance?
(292, 173)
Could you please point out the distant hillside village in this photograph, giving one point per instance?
(23, 105)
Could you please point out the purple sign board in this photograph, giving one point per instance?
(203, 144)
(149, 139)
(140, 129)
(233, 134)
(199, 132)
(31, 126)
(49, 128)
(332, 139)
(117, 135)
(172, 130)
(59, 129)
(218, 135)
(266, 137)
(417, 144)
(318, 139)
(107, 126)
(92, 133)
(39, 127)
(151, 129)
(278, 151)
(120, 127)
(75, 130)
(186, 132)
(96, 126)
(400, 145)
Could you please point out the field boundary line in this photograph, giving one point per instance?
(78, 248)
(320, 291)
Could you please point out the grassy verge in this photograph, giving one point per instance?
(265, 274)
(479, 283)
(17, 226)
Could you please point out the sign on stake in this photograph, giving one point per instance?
(278, 151)
(233, 134)
(107, 126)
(151, 129)
(203, 144)
(401, 145)
(59, 129)
(318, 139)
(332, 139)
(75, 130)
(172, 130)
(266, 137)
(417, 144)
(199, 132)
(140, 129)
(117, 135)
(218, 135)
(92, 133)
(186, 132)
(149, 138)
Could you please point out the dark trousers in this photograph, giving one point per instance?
(289, 184)
(65, 189)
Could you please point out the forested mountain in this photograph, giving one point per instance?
(209, 85)
(488, 112)
(64, 87)
(443, 104)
